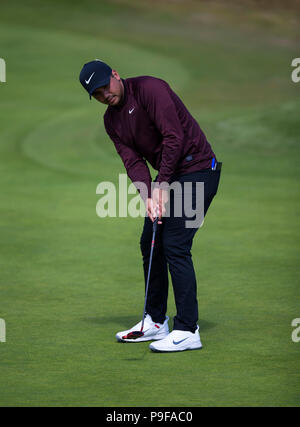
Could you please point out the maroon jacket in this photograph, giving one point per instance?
(153, 124)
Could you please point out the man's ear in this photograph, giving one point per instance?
(115, 75)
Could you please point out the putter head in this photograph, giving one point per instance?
(133, 335)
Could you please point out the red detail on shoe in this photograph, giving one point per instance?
(158, 327)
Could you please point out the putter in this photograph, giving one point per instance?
(137, 334)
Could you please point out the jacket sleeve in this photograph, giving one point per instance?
(135, 165)
(156, 99)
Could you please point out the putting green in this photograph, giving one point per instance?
(70, 280)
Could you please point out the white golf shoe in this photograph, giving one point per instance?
(178, 341)
(152, 331)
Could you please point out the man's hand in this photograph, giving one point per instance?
(156, 206)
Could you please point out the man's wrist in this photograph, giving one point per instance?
(163, 185)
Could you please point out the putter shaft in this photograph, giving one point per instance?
(149, 269)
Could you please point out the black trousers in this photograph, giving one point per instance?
(172, 250)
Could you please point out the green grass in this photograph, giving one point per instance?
(70, 280)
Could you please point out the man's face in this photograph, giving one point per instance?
(111, 94)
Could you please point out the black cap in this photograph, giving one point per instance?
(94, 74)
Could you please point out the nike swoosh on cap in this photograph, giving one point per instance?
(87, 81)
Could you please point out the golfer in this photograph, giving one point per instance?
(148, 122)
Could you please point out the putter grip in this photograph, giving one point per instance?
(155, 225)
